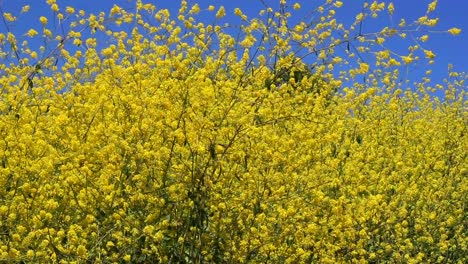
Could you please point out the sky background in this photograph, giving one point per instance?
(448, 48)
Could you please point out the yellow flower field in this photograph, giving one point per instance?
(148, 137)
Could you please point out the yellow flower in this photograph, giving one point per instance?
(429, 54)
(237, 11)
(432, 22)
(47, 33)
(127, 258)
(297, 6)
(110, 244)
(432, 6)
(31, 33)
(221, 12)
(33, 55)
(30, 253)
(390, 8)
(195, 9)
(54, 7)
(43, 20)
(9, 17)
(115, 10)
(407, 59)
(81, 251)
(359, 17)
(363, 67)
(77, 42)
(454, 31)
(25, 9)
(380, 40)
(107, 52)
(375, 6)
(70, 10)
(402, 23)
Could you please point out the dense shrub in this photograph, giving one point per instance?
(178, 143)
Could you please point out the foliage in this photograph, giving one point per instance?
(172, 141)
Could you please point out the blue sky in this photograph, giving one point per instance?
(449, 49)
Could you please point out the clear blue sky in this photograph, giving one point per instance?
(449, 49)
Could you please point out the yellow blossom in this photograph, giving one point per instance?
(9, 17)
(363, 67)
(25, 9)
(390, 8)
(429, 54)
(380, 40)
(70, 10)
(338, 4)
(432, 6)
(359, 17)
(31, 33)
(54, 7)
(402, 23)
(195, 9)
(81, 251)
(221, 12)
(43, 20)
(454, 31)
(237, 12)
(407, 59)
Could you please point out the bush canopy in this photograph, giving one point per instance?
(141, 136)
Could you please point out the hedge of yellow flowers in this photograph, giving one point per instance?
(142, 137)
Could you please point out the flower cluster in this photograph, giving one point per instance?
(177, 142)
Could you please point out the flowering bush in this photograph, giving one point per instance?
(182, 143)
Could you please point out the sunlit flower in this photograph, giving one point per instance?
(43, 20)
(432, 6)
(390, 8)
(454, 31)
(31, 33)
(25, 9)
(407, 59)
(221, 12)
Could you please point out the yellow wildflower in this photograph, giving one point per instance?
(31, 33)
(391, 8)
(43, 20)
(432, 6)
(407, 59)
(221, 12)
(454, 31)
(25, 9)
(429, 54)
